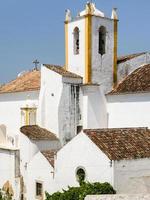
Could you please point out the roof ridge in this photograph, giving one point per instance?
(62, 71)
(121, 128)
(127, 57)
(29, 81)
(128, 77)
(122, 144)
(35, 132)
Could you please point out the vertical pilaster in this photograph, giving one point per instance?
(88, 47)
(66, 45)
(115, 52)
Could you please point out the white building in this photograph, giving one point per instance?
(42, 110)
(119, 156)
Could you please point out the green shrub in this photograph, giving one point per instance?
(79, 193)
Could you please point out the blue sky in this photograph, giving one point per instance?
(32, 29)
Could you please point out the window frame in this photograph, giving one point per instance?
(26, 115)
(39, 196)
(76, 38)
(77, 176)
(102, 39)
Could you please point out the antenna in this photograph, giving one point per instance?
(35, 62)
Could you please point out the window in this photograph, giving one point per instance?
(39, 189)
(28, 116)
(79, 129)
(76, 41)
(102, 40)
(80, 175)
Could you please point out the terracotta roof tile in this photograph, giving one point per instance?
(122, 143)
(137, 81)
(128, 57)
(34, 132)
(29, 81)
(60, 70)
(49, 155)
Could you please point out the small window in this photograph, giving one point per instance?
(102, 40)
(81, 175)
(39, 189)
(79, 129)
(76, 41)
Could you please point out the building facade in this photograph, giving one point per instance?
(45, 114)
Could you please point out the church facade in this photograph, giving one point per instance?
(90, 116)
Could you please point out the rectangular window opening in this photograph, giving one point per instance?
(39, 189)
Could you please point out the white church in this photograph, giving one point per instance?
(90, 116)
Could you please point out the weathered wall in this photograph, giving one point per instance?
(69, 111)
(47, 144)
(129, 66)
(129, 110)
(132, 176)
(59, 104)
(102, 66)
(119, 197)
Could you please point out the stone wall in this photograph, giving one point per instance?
(119, 197)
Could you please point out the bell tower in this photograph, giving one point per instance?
(91, 46)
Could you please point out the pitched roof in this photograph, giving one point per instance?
(30, 81)
(137, 81)
(34, 132)
(60, 70)
(128, 57)
(49, 155)
(122, 143)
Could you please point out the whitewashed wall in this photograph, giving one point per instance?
(10, 108)
(76, 63)
(50, 94)
(39, 169)
(129, 110)
(59, 104)
(34, 166)
(27, 150)
(81, 152)
(132, 176)
(94, 107)
(7, 169)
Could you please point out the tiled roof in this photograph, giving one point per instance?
(60, 70)
(49, 155)
(137, 81)
(34, 132)
(122, 143)
(128, 57)
(30, 81)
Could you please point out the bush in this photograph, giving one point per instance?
(5, 196)
(79, 193)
